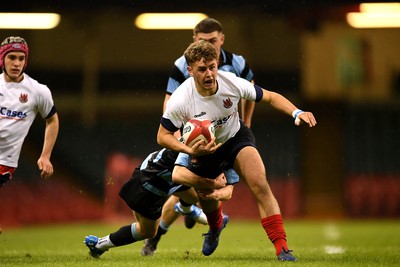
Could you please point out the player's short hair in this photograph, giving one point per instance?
(207, 25)
(13, 44)
(200, 50)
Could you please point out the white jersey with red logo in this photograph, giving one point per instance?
(19, 104)
(221, 108)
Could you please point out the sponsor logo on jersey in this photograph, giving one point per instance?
(201, 114)
(23, 98)
(220, 122)
(12, 114)
(228, 103)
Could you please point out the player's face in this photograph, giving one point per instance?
(205, 76)
(215, 38)
(14, 64)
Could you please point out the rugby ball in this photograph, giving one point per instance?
(195, 130)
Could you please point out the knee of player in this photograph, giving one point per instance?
(148, 233)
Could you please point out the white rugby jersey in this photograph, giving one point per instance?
(19, 104)
(221, 108)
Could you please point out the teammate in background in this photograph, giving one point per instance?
(21, 98)
(215, 95)
(146, 192)
(210, 30)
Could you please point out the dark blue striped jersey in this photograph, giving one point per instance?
(156, 172)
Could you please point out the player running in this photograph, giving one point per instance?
(214, 95)
(211, 30)
(21, 98)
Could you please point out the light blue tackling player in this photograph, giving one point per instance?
(146, 192)
(210, 30)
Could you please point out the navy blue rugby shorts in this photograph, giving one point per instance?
(141, 200)
(210, 166)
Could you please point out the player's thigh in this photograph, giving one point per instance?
(250, 167)
(248, 162)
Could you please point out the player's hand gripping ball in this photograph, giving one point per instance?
(196, 130)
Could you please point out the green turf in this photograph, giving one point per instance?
(315, 243)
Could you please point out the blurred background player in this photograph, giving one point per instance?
(21, 98)
(215, 95)
(210, 30)
(145, 194)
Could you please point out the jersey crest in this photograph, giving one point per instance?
(23, 98)
(227, 103)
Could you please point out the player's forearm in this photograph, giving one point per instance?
(50, 136)
(281, 103)
(182, 175)
(222, 194)
(168, 140)
(225, 193)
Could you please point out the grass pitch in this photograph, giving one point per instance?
(315, 243)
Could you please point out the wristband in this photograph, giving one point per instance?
(296, 112)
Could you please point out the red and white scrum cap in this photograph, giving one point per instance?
(13, 44)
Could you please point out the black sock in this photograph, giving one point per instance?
(160, 232)
(123, 236)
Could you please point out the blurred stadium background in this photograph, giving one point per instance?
(108, 79)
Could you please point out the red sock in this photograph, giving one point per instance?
(273, 226)
(215, 219)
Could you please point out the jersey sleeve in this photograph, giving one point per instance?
(45, 103)
(242, 68)
(173, 117)
(242, 87)
(236, 64)
(183, 160)
(231, 177)
(250, 91)
(178, 75)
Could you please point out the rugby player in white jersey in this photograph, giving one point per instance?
(215, 95)
(208, 29)
(21, 98)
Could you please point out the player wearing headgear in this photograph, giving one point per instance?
(21, 98)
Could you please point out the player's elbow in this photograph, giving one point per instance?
(159, 140)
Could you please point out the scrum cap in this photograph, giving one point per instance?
(13, 44)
